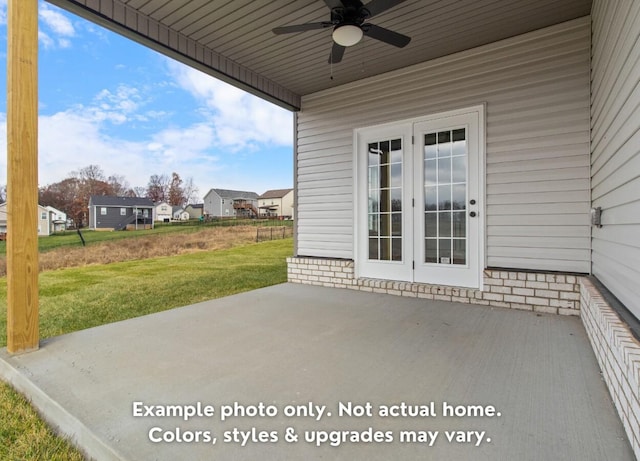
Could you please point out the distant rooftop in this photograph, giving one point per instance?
(275, 193)
(110, 200)
(234, 194)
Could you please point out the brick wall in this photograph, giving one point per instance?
(618, 354)
(549, 293)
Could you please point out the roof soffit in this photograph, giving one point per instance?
(232, 39)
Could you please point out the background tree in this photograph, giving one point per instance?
(176, 192)
(71, 195)
(120, 186)
(139, 191)
(158, 188)
(190, 191)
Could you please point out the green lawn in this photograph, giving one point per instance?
(79, 298)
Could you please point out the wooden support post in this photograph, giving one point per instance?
(22, 176)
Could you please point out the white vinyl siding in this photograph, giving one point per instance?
(536, 90)
(615, 159)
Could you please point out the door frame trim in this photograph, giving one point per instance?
(480, 110)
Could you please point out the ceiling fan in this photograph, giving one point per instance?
(349, 22)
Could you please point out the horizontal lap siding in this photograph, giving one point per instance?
(536, 90)
(615, 145)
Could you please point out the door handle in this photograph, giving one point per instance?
(472, 214)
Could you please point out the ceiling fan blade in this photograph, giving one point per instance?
(386, 35)
(375, 7)
(336, 53)
(331, 4)
(301, 27)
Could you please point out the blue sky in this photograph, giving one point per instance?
(106, 100)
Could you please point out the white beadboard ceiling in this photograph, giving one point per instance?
(232, 39)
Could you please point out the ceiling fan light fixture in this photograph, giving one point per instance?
(347, 35)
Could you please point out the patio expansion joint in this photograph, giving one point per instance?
(58, 418)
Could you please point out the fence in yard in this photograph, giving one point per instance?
(273, 233)
(227, 222)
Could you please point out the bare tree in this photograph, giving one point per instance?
(176, 193)
(158, 188)
(190, 191)
(72, 194)
(119, 185)
(139, 191)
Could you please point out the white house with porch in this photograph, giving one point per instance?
(276, 203)
(479, 151)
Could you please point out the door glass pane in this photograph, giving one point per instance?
(430, 172)
(385, 201)
(459, 251)
(444, 251)
(431, 251)
(385, 182)
(374, 201)
(444, 222)
(445, 197)
(374, 225)
(396, 199)
(373, 249)
(385, 225)
(459, 169)
(459, 224)
(444, 170)
(396, 249)
(430, 146)
(385, 249)
(385, 175)
(396, 224)
(431, 225)
(396, 175)
(430, 198)
(459, 196)
(374, 156)
(396, 151)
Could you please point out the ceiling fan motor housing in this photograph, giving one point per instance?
(351, 13)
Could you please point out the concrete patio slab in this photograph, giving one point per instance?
(517, 385)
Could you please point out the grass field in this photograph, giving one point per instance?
(78, 298)
(72, 239)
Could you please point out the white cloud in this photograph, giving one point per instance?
(227, 121)
(240, 119)
(3, 12)
(59, 28)
(46, 41)
(56, 21)
(75, 138)
(72, 139)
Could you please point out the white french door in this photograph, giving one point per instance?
(420, 199)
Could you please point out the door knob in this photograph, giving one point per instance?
(472, 214)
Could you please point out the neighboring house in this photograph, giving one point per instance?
(179, 214)
(462, 167)
(225, 203)
(196, 211)
(276, 202)
(44, 220)
(57, 220)
(119, 213)
(162, 212)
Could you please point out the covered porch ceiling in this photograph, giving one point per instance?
(233, 40)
